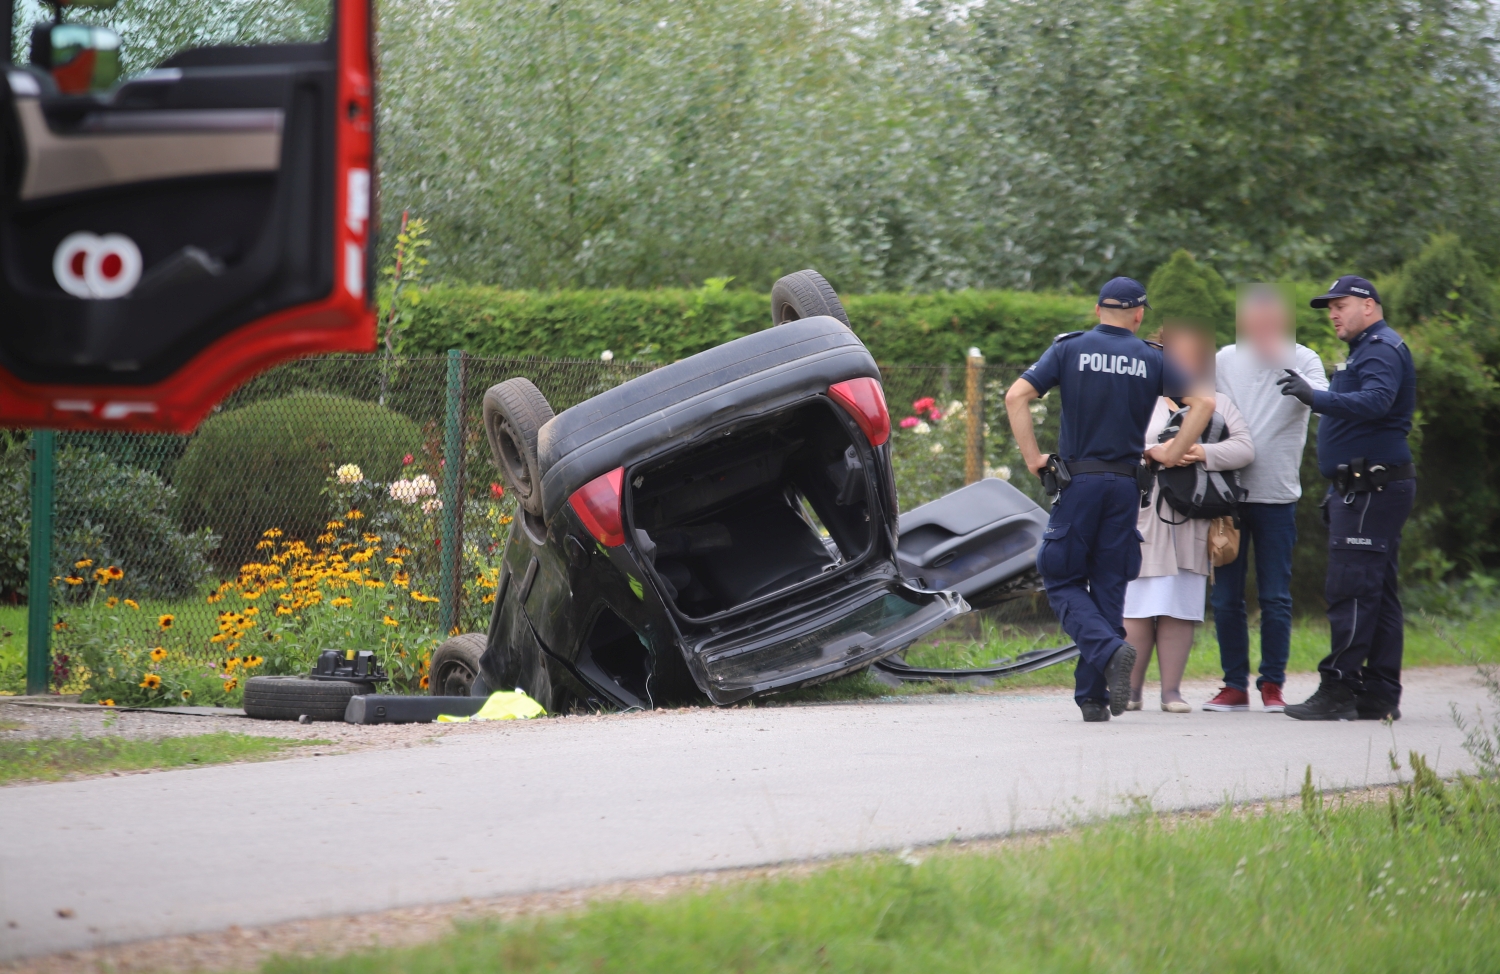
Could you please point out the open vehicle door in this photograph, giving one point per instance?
(166, 236)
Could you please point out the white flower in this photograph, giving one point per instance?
(606, 356)
(1039, 410)
(403, 491)
(1003, 472)
(424, 485)
(937, 448)
(922, 429)
(955, 409)
(350, 473)
(432, 504)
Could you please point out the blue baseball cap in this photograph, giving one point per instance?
(1348, 286)
(1123, 293)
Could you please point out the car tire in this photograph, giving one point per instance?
(293, 697)
(805, 294)
(455, 665)
(514, 412)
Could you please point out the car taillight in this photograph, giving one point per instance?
(865, 401)
(597, 504)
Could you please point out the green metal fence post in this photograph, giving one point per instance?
(39, 585)
(450, 586)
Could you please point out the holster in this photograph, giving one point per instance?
(1055, 475)
(1359, 477)
(1145, 477)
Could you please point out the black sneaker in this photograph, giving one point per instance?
(1372, 706)
(1332, 701)
(1094, 711)
(1117, 673)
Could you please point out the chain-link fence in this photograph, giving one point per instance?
(351, 501)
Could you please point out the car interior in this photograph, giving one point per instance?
(752, 511)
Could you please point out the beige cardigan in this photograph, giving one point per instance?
(1170, 548)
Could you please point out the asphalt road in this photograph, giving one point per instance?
(570, 803)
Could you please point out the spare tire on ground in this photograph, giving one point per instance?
(291, 697)
(805, 294)
(514, 411)
(455, 664)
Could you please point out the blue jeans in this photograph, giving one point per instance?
(1271, 529)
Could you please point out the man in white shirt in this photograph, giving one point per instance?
(1247, 372)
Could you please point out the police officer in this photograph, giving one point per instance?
(1366, 414)
(1110, 381)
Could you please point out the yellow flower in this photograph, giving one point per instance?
(132, 603)
(341, 602)
(251, 662)
(73, 580)
(111, 602)
(101, 576)
(334, 525)
(231, 663)
(390, 622)
(372, 539)
(271, 533)
(252, 596)
(326, 539)
(150, 681)
(282, 610)
(165, 621)
(158, 654)
(419, 597)
(187, 694)
(354, 515)
(60, 625)
(218, 637)
(114, 573)
(84, 563)
(424, 683)
(230, 684)
(106, 703)
(401, 578)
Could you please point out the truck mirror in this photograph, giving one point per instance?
(80, 59)
(168, 235)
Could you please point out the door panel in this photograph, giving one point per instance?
(164, 241)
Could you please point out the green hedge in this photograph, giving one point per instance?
(1007, 326)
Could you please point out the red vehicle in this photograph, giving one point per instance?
(167, 235)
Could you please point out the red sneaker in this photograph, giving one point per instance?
(1229, 699)
(1270, 698)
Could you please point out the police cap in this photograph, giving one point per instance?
(1123, 292)
(1349, 285)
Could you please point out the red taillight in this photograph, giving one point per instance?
(597, 504)
(865, 401)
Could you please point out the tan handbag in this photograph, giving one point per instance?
(1223, 541)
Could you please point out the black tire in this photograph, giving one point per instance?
(514, 412)
(455, 664)
(290, 697)
(805, 294)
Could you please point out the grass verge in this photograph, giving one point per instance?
(1364, 887)
(50, 759)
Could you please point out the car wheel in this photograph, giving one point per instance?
(455, 664)
(805, 294)
(514, 411)
(292, 697)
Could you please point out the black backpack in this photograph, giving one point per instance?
(1193, 491)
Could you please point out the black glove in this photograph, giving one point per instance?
(1295, 384)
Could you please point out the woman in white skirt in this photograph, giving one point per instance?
(1164, 605)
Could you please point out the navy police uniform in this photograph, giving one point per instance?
(1109, 382)
(1366, 416)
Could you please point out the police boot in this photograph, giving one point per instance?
(1094, 711)
(1376, 706)
(1117, 672)
(1332, 701)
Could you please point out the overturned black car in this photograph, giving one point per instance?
(724, 526)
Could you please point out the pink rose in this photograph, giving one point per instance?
(909, 422)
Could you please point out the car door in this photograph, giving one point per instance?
(165, 239)
(979, 541)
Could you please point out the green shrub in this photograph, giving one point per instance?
(106, 513)
(1185, 291)
(266, 465)
(665, 325)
